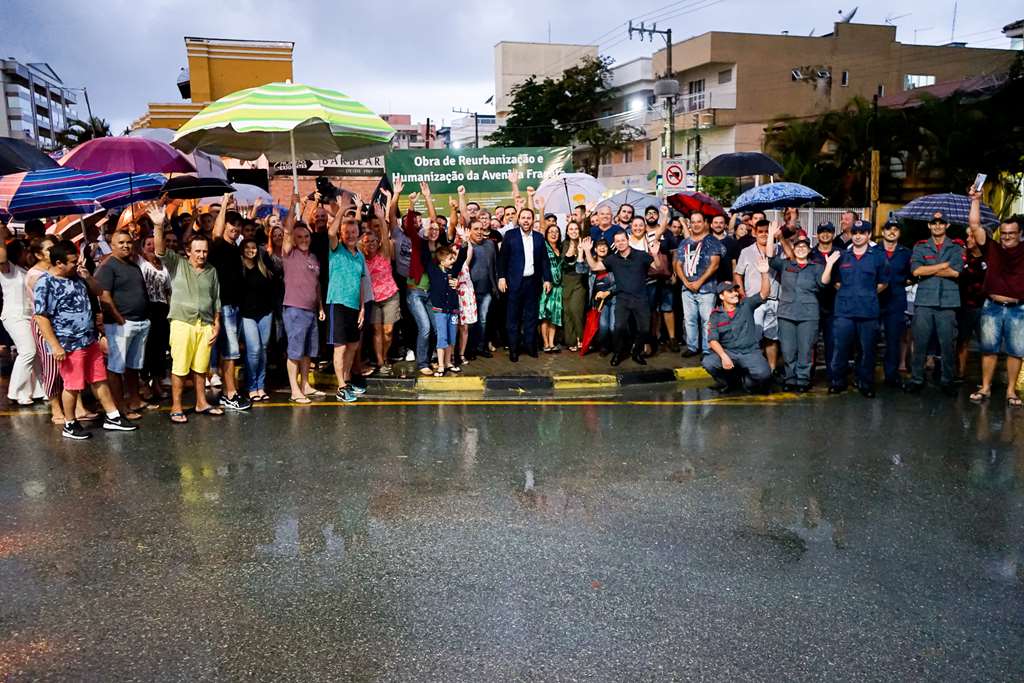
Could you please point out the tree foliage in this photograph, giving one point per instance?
(937, 146)
(566, 111)
(79, 131)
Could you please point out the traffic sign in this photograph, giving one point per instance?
(674, 173)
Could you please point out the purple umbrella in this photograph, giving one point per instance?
(127, 155)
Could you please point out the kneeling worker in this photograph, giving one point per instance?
(734, 339)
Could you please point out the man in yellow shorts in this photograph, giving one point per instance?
(194, 316)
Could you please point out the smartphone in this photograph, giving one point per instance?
(979, 182)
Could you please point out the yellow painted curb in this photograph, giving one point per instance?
(450, 384)
(684, 374)
(584, 381)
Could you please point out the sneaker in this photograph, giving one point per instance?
(118, 424)
(344, 395)
(358, 391)
(75, 431)
(214, 381)
(235, 402)
(410, 355)
(386, 371)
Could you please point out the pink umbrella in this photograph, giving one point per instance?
(127, 155)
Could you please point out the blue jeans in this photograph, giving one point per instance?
(478, 333)
(696, 311)
(605, 325)
(422, 313)
(257, 335)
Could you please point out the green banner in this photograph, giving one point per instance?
(483, 172)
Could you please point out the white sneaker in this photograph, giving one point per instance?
(410, 355)
(215, 380)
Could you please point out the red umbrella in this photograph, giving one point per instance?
(127, 155)
(688, 202)
(590, 327)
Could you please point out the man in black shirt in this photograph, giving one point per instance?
(226, 258)
(732, 249)
(629, 267)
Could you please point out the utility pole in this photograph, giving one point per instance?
(696, 126)
(667, 87)
(875, 162)
(476, 125)
(426, 136)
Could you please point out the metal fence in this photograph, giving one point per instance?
(811, 217)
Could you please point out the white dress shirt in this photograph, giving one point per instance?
(527, 252)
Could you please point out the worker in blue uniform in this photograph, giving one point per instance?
(937, 261)
(825, 247)
(893, 301)
(862, 274)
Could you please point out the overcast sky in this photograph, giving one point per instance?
(421, 58)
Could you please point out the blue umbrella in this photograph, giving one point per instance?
(954, 206)
(638, 200)
(62, 191)
(775, 196)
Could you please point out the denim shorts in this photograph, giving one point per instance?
(227, 342)
(1002, 325)
(659, 296)
(446, 324)
(300, 327)
(126, 345)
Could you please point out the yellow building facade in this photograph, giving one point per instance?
(218, 67)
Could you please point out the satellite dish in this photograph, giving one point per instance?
(846, 18)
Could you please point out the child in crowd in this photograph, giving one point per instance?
(443, 270)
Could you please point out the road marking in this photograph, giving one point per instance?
(406, 403)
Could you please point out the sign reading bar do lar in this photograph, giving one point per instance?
(482, 171)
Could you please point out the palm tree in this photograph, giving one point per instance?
(79, 131)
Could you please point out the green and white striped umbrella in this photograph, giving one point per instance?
(286, 121)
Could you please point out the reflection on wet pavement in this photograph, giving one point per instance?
(821, 538)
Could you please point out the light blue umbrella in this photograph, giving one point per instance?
(638, 200)
(954, 206)
(775, 196)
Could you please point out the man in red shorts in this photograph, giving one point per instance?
(65, 318)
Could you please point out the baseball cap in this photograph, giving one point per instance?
(861, 226)
(726, 287)
(892, 224)
(826, 227)
(802, 239)
(938, 217)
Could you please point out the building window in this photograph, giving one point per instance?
(845, 79)
(627, 156)
(724, 76)
(647, 151)
(881, 90)
(911, 81)
(695, 90)
(606, 158)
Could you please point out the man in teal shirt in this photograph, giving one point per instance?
(346, 268)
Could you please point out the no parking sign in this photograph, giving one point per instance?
(673, 173)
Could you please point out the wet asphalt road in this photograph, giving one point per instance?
(812, 539)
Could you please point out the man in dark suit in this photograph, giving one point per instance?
(523, 268)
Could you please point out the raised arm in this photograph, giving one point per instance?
(587, 245)
(830, 262)
(5, 235)
(334, 227)
(222, 217)
(463, 213)
(289, 225)
(513, 177)
(431, 211)
(157, 214)
(974, 218)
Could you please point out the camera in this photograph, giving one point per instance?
(328, 192)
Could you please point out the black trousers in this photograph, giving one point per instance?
(639, 309)
(522, 310)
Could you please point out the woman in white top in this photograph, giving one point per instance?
(16, 317)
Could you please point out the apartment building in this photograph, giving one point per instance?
(409, 135)
(514, 62)
(632, 102)
(733, 85)
(36, 105)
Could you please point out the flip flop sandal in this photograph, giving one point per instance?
(426, 372)
(88, 417)
(1014, 401)
(979, 397)
(301, 400)
(212, 411)
(132, 415)
(179, 418)
(438, 373)
(316, 393)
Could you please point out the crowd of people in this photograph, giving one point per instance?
(357, 287)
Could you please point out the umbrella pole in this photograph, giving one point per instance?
(568, 199)
(295, 171)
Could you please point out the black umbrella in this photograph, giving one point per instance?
(191, 187)
(739, 164)
(17, 156)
